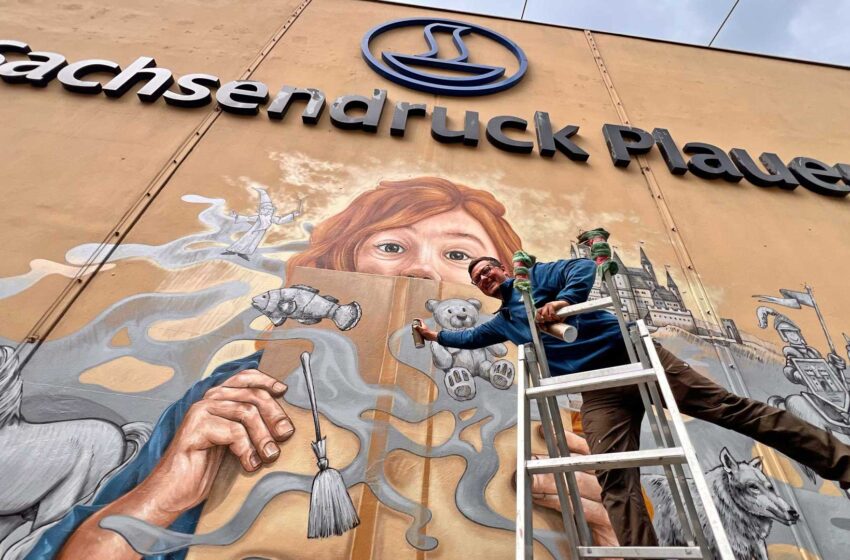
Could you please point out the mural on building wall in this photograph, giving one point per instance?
(426, 227)
(260, 224)
(746, 500)
(461, 367)
(825, 399)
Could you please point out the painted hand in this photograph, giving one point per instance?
(548, 313)
(836, 361)
(241, 415)
(426, 333)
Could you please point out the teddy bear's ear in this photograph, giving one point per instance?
(431, 305)
(475, 303)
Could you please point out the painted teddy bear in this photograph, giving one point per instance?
(462, 366)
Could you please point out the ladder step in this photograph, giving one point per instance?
(591, 373)
(623, 460)
(568, 385)
(639, 552)
(579, 308)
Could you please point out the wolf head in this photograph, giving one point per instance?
(753, 492)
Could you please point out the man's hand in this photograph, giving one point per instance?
(548, 313)
(426, 333)
(241, 415)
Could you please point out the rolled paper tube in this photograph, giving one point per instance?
(562, 331)
(418, 341)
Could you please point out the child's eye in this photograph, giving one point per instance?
(457, 256)
(390, 248)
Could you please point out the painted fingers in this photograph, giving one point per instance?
(244, 415)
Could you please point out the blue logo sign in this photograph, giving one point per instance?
(466, 78)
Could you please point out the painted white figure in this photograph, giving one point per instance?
(746, 500)
(824, 400)
(50, 467)
(260, 223)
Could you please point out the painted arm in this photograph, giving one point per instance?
(442, 356)
(790, 370)
(286, 218)
(239, 217)
(498, 350)
(241, 415)
(485, 334)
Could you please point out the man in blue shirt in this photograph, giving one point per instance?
(611, 418)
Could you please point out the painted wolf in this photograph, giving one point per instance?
(745, 498)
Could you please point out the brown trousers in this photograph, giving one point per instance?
(611, 419)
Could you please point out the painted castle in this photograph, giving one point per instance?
(642, 296)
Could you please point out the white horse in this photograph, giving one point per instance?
(50, 467)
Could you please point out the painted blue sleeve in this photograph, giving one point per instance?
(131, 475)
(485, 334)
(576, 279)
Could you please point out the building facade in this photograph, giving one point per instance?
(197, 190)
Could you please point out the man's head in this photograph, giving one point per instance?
(487, 273)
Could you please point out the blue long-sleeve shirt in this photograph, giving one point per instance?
(599, 343)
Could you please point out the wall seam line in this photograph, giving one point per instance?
(802, 533)
(62, 304)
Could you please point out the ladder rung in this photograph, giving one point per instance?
(625, 368)
(640, 552)
(579, 308)
(593, 384)
(622, 460)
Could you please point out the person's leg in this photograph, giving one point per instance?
(702, 398)
(611, 420)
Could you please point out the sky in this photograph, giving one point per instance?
(812, 30)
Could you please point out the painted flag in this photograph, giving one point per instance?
(791, 299)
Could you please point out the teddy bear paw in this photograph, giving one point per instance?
(460, 384)
(502, 374)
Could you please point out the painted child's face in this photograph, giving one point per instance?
(438, 248)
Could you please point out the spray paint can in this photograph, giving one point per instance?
(418, 341)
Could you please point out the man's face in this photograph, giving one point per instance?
(488, 277)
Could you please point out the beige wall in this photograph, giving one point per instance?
(72, 165)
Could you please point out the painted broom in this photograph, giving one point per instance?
(331, 509)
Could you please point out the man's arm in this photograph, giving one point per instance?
(574, 279)
(577, 277)
(483, 335)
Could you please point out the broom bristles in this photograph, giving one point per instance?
(331, 509)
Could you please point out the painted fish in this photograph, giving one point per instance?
(305, 305)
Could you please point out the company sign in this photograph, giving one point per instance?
(365, 113)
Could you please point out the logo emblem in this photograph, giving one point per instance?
(448, 76)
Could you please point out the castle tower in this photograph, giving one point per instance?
(671, 285)
(647, 265)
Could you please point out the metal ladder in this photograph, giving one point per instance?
(674, 449)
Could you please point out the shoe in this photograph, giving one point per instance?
(844, 484)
